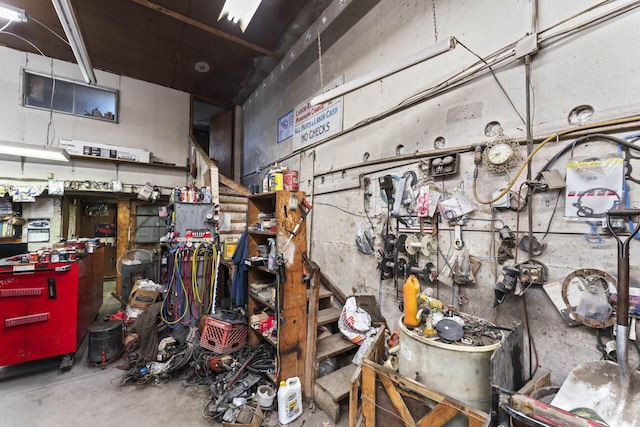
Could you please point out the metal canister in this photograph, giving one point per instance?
(71, 255)
(55, 256)
(290, 180)
(275, 180)
(63, 256)
(33, 257)
(45, 256)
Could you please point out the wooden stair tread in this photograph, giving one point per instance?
(328, 315)
(324, 293)
(332, 346)
(337, 384)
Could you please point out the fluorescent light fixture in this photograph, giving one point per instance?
(240, 11)
(33, 151)
(72, 30)
(420, 56)
(12, 13)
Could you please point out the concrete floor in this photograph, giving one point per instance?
(37, 394)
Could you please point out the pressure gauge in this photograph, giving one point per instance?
(501, 154)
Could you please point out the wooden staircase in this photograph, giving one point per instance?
(233, 202)
(330, 390)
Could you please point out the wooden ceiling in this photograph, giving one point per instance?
(133, 38)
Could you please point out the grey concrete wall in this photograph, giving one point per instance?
(595, 67)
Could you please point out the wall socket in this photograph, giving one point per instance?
(49, 175)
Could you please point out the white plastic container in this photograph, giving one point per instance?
(289, 400)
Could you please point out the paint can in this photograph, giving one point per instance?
(55, 256)
(275, 180)
(290, 179)
(63, 256)
(33, 257)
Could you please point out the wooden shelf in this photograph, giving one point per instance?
(264, 302)
(269, 340)
(263, 233)
(292, 334)
(127, 162)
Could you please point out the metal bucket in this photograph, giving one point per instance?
(105, 337)
(461, 372)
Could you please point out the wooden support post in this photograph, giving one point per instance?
(312, 326)
(353, 396)
(123, 228)
(368, 396)
(398, 402)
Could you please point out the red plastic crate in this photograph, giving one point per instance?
(222, 337)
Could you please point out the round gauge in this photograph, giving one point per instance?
(499, 153)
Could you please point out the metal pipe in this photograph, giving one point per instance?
(527, 67)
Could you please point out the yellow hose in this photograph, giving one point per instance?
(542, 144)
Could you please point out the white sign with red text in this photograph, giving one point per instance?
(317, 122)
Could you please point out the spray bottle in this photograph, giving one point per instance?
(271, 265)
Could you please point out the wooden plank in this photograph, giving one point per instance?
(422, 390)
(326, 404)
(337, 383)
(233, 199)
(327, 283)
(368, 396)
(328, 315)
(312, 326)
(474, 422)
(123, 226)
(183, 18)
(233, 185)
(332, 346)
(438, 416)
(323, 294)
(292, 334)
(353, 395)
(398, 402)
(542, 379)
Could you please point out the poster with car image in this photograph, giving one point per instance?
(38, 230)
(104, 229)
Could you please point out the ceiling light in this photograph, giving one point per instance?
(202, 67)
(420, 56)
(72, 30)
(239, 11)
(12, 13)
(33, 151)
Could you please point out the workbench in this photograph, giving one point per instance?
(46, 308)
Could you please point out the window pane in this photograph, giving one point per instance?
(39, 93)
(95, 102)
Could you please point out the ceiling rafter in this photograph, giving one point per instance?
(207, 28)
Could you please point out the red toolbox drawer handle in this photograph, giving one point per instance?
(25, 320)
(25, 292)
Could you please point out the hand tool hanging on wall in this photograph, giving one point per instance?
(404, 192)
(305, 208)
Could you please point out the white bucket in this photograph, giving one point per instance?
(266, 395)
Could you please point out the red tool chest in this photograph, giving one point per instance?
(46, 308)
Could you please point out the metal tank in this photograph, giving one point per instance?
(460, 372)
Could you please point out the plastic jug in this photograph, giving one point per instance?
(411, 289)
(289, 400)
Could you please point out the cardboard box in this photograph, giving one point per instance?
(257, 418)
(139, 298)
(93, 149)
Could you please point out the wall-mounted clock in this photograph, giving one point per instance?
(501, 154)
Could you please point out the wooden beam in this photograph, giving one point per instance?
(438, 415)
(125, 214)
(233, 185)
(312, 326)
(190, 21)
(353, 396)
(398, 402)
(368, 395)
